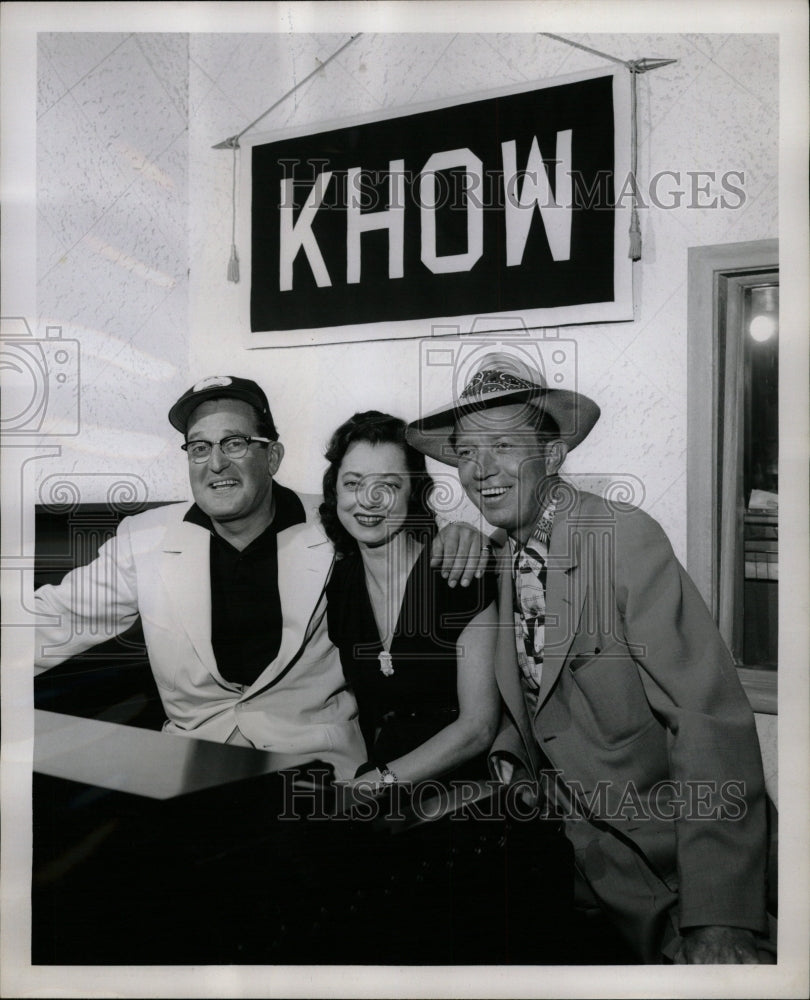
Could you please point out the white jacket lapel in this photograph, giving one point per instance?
(185, 570)
(305, 557)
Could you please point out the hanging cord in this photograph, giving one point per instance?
(586, 48)
(634, 252)
(233, 143)
(234, 139)
(233, 263)
(634, 66)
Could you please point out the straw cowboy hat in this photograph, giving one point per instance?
(501, 380)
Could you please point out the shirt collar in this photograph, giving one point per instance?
(289, 512)
(541, 533)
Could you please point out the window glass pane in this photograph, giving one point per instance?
(760, 476)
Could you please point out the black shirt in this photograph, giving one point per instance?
(246, 617)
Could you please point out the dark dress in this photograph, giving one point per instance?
(467, 890)
(401, 711)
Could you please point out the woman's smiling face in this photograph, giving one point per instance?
(373, 490)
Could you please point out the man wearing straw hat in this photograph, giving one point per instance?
(622, 703)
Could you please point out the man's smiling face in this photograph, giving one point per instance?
(236, 491)
(503, 466)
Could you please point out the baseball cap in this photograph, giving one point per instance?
(219, 387)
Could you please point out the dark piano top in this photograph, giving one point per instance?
(138, 761)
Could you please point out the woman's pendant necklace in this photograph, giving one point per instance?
(386, 663)
(386, 592)
(384, 656)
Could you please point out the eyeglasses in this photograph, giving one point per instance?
(233, 446)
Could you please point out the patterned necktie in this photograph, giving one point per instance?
(530, 590)
(529, 574)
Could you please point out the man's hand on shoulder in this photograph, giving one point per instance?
(712, 945)
(461, 551)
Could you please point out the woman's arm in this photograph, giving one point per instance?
(479, 707)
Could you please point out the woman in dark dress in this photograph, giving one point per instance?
(418, 654)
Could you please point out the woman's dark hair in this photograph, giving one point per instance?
(375, 427)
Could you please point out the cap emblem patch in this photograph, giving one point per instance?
(211, 382)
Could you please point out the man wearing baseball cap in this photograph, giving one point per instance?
(230, 591)
(622, 703)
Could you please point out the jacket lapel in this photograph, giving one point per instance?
(565, 596)
(305, 557)
(185, 570)
(506, 668)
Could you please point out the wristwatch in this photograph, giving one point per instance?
(387, 776)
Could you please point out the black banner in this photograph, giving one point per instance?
(490, 206)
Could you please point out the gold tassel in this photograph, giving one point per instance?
(635, 236)
(233, 266)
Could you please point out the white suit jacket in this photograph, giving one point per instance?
(157, 565)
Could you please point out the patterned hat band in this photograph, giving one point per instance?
(503, 381)
(496, 380)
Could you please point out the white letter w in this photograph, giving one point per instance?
(536, 190)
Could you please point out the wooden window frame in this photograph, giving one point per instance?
(709, 269)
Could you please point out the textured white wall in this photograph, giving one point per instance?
(112, 246)
(134, 230)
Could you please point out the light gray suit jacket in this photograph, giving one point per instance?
(641, 710)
